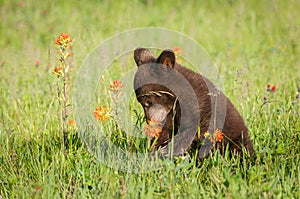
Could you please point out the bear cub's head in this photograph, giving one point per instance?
(154, 84)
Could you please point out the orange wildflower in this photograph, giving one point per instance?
(38, 188)
(219, 135)
(63, 39)
(273, 88)
(216, 137)
(178, 53)
(101, 113)
(152, 129)
(177, 50)
(116, 86)
(72, 122)
(37, 63)
(58, 71)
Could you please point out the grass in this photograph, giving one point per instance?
(253, 43)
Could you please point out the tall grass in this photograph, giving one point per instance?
(253, 43)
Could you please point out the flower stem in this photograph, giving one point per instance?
(63, 44)
(64, 110)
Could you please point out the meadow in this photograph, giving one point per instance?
(253, 44)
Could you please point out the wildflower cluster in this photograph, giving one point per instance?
(101, 113)
(217, 136)
(116, 96)
(116, 86)
(37, 63)
(271, 88)
(58, 71)
(72, 123)
(61, 71)
(178, 54)
(153, 129)
(63, 41)
(270, 91)
(63, 44)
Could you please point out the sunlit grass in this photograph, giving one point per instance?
(252, 43)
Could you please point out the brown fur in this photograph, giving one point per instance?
(190, 101)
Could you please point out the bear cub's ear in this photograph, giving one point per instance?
(167, 58)
(143, 56)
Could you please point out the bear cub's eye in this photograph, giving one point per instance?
(148, 103)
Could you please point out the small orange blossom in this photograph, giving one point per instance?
(219, 135)
(63, 39)
(101, 113)
(178, 53)
(72, 122)
(153, 129)
(58, 71)
(273, 88)
(37, 63)
(216, 137)
(116, 86)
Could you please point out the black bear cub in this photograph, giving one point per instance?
(188, 108)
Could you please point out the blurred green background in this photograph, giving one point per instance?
(253, 43)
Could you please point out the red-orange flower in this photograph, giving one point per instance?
(101, 113)
(72, 122)
(63, 39)
(273, 88)
(219, 135)
(37, 63)
(177, 50)
(38, 188)
(58, 71)
(152, 129)
(178, 53)
(116, 86)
